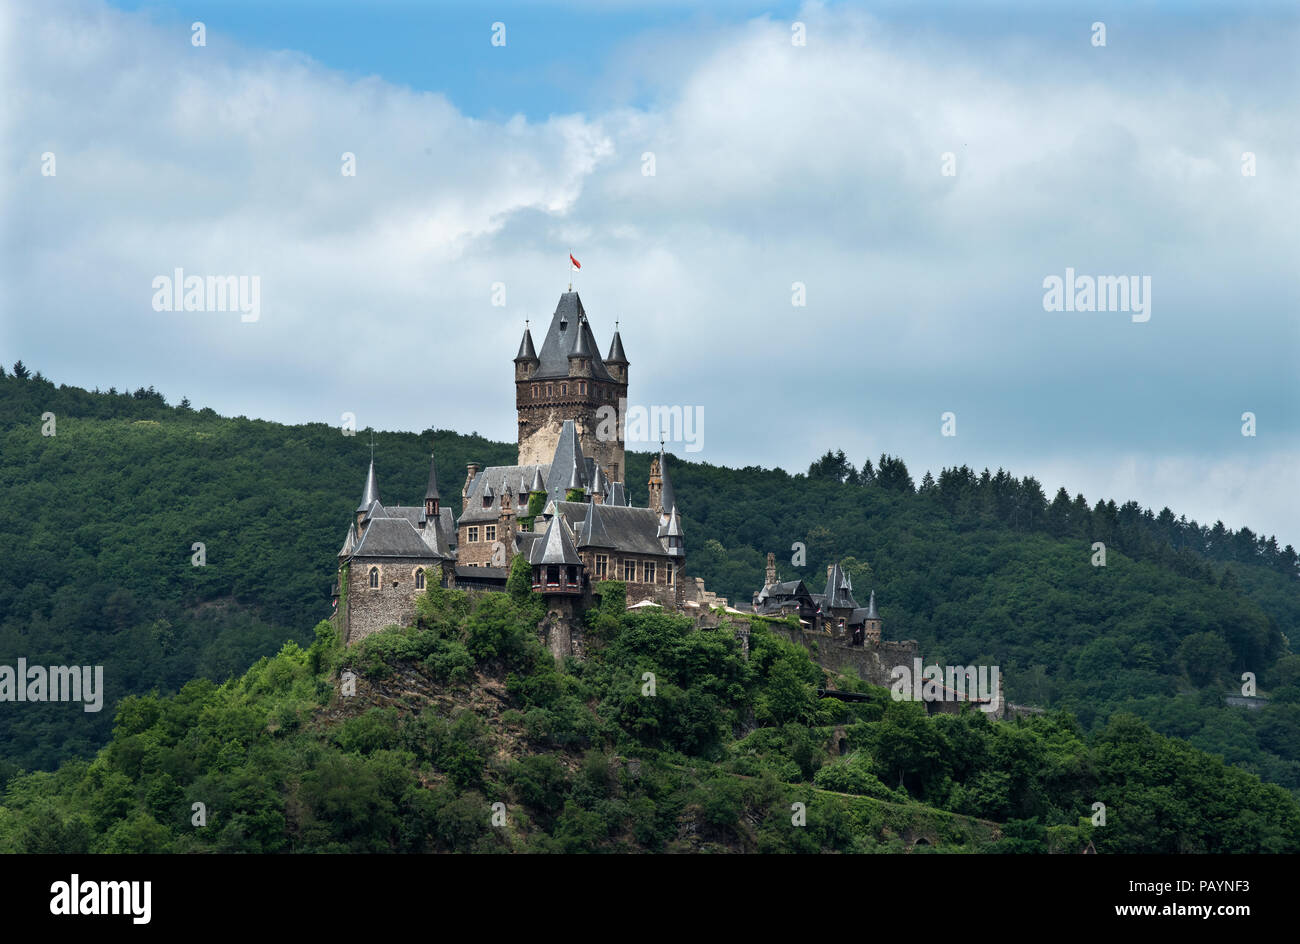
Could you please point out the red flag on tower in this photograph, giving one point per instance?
(576, 263)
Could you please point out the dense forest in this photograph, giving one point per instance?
(97, 566)
(464, 735)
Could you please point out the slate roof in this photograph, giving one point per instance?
(556, 545)
(568, 324)
(785, 590)
(617, 495)
(628, 530)
(350, 541)
(500, 478)
(526, 350)
(370, 493)
(839, 590)
(568, 454)
(667, 496)
(392, 537)
(593, 533)
(616, 355)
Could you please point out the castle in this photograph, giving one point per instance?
(563, 506)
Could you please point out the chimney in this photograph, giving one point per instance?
(771, 568)
(472, 470)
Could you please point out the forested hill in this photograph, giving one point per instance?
(101, 517)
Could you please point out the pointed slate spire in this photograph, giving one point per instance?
(599, 483)
(371, 492)
(526, 350)
(432, 490)
(575, 478)
(871, 607)
(616, 355)
(567, 460)
(593, 531)
(350, 541)
(674, 526)
(667, 498)
(581, 348)
(538, 485)
(556, 545)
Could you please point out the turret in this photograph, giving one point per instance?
(526, 360)
(369, 495)
(672, 535)
(662, 498)
(580, 356)
(873, 623)
(617, 360)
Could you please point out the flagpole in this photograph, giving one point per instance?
(570, 268)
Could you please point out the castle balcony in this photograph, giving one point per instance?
(558, 578)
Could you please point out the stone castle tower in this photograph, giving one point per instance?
(569, 380)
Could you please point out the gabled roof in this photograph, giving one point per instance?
(839, 590)
(568, 458)
(617, 495)
(350, 541)
(370, 493)
(392, 537)
(593, 533)
(556, 545)
(568, 324)
(436, 535)
(628, 530)
(499, 479)
(375, 510)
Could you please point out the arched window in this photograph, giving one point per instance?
(374, 578)
(419, 579)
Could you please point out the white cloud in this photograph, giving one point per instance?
(774, 164)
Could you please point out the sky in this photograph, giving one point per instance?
(914, 171)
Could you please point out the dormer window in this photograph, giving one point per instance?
(487, 501)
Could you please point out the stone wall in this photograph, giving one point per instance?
(869, 663)
(393, 603)
(539, 432)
